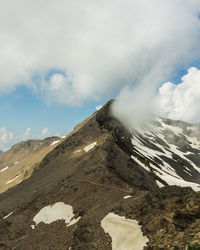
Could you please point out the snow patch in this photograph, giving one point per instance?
(171, 180)
(125, 233)
(98, 107)
(4, 169)
(140, 163)
(13, 179)
(128, 196)
(89, 147)
(160, 184)
(5, 217)
(73, 221)
(58, 211)
(55, 142)
(15, 163)
(77, 151)
(33, 226)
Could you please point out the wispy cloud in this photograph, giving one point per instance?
(45, 132)
(5, 137)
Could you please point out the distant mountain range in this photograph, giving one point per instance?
(104, 186)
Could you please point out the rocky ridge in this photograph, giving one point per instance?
(101, 168)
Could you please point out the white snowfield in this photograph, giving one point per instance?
(126, 234)
(4, 169)
(57, 211)
(55, 142)
(13, 179)
(168, 134)
(89, 147)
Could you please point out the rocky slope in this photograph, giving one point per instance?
(100, 169)
(18, 163)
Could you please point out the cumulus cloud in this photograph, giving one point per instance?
(98, 107)
(94, 48)
(45, 132)
(27, 134)
(5, 137)
(182, 101)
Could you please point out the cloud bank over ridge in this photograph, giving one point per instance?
(95, 49)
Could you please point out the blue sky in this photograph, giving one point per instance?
(22, 109)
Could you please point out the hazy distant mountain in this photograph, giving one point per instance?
(105, 187)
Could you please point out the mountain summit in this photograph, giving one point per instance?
(108, 187)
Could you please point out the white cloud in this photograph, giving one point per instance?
(5, 137)
(45, 132)
(100, 46)
(182, 101)
(98, 107)
(27, 134)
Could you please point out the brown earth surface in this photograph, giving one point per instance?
(22, 159)
(94, 183)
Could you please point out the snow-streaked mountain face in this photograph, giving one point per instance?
(170, 150)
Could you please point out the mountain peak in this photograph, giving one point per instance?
(103, 171)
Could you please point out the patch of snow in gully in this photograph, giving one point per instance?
(125, 233)
(171, 180)
(140, 163)
(160, 184)
(13, 179)
(127, 197)
(55, 142)
(89, 147)
(4, 169)
(5, 217)
(77, 151)
(57, 211)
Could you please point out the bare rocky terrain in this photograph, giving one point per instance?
(99, 168)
